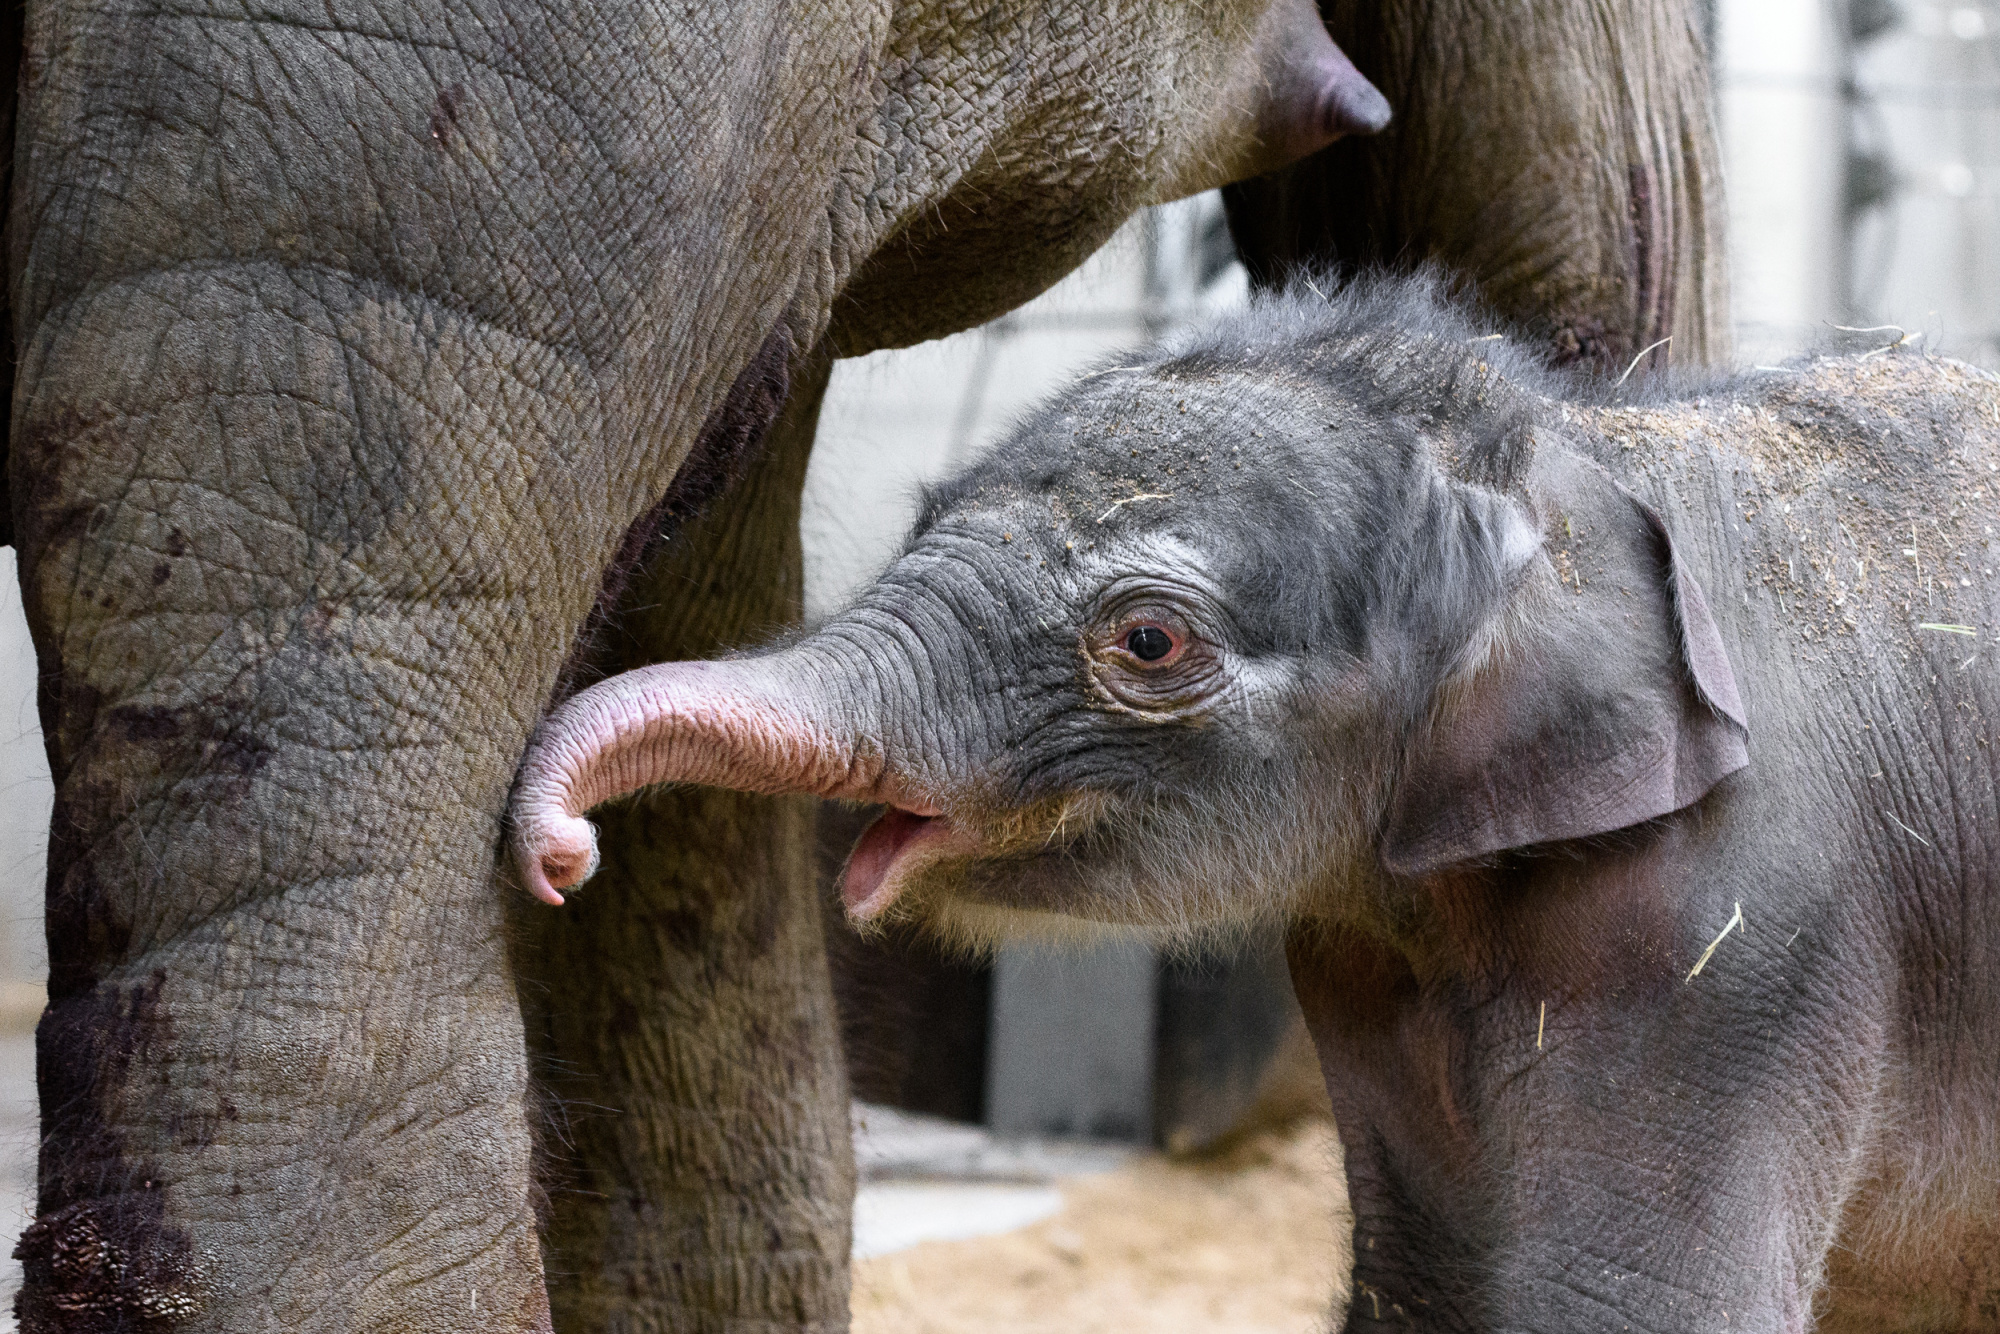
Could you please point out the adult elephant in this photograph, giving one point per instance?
(355, 345)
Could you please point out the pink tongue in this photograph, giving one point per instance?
(869, 864)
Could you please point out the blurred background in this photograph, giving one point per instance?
(1862, 153)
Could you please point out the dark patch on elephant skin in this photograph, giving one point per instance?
(86, 931)
(211, 743)
(214, 757)
(444, 113)
(100, 1255)
(729, 442)
(95, 1284)
(139, 723)
(684, 929)
(732, 435)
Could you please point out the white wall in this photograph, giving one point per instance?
(1780, 113)
(1926, 261)
(25, 793)
(1923, 96)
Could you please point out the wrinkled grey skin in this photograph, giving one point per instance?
(355, 346)
(1507, 696)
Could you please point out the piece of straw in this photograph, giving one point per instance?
(1885, 351)
(1906, 829)
(1641, 357)
(1735, 921)
(1131, 500)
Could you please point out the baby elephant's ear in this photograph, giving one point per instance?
(1613, 703)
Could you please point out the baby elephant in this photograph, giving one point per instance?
(1623, 766)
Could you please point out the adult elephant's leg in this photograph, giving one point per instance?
(281, 1070)
(702, 1173)
(1562, 154)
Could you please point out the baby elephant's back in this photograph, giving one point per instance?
(1857, 493)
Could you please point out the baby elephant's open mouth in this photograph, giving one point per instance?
(897, 844)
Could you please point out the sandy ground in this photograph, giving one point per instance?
(1245, 1243)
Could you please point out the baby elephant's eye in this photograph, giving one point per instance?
(1152, 660)
(1149, 643)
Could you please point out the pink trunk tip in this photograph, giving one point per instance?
(754, 724)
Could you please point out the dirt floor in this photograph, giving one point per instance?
(1244, 1243)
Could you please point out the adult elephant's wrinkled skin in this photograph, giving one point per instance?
(1622, 762)
(1557, 152)
(355, 345)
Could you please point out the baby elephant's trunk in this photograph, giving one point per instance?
(761, 724)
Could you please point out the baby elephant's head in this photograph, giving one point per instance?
(1213, 635)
